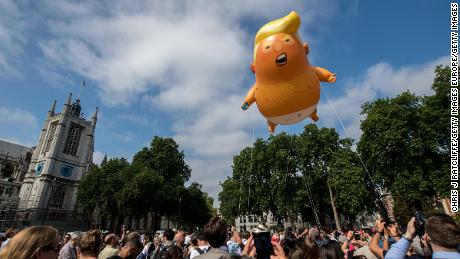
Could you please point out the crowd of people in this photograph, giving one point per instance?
(437, 237)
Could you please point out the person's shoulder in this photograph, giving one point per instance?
(201, 256)
(213, 253)
(65, 248)
(205, 247)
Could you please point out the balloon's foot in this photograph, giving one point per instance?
(314, 116)
(271, 127)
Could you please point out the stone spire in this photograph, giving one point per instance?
(52, 109)
(69, 99)
(94, 118)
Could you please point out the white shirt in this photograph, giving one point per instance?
(195, 253)
(4, 243)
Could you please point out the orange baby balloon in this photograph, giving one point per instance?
(287, 87)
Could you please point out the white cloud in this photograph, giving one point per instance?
(98, 156)
(188, 59)
(186, 52)
(17, 117)
(379, 80)
(209, 172)
(12, 27)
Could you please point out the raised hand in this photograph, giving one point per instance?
(379, 225)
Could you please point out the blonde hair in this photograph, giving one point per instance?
(28, 241)
(91, 242)
(288, 24)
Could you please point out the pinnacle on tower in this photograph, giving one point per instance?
(53, 107)
(95, 112)
(69, 99)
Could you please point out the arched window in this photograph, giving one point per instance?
(57, 197)
(73, 139)
(50, 137)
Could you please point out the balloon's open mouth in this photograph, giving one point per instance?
(281, 60)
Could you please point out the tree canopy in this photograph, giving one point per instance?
(153, 184)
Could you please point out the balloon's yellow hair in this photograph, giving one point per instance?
(288, 24)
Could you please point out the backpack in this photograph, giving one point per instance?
(160, 253)
(200, 251)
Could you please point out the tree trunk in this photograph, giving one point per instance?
(130, 222)
(155, 221)
(334, 209)
(119, 224)
(112, 225)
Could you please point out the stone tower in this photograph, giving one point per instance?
(62, 157)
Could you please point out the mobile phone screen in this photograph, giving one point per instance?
(263, 245)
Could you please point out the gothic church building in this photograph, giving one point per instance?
(61, 158)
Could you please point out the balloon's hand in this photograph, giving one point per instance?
(245, 106)
(332, 78)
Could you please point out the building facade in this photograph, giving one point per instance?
(248, 222)
(61, 158)
(14, 163)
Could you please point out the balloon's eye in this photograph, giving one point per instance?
(288, 40)
(266, 47)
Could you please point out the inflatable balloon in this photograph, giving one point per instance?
(287, 87)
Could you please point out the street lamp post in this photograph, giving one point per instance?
(53, 186)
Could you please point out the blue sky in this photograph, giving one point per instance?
(180, 68)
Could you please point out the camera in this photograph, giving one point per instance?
(262, 242)
(420, 221)
(357, 236)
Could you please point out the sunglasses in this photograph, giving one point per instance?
(56, 248)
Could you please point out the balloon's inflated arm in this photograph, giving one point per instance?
(250, 98)
(324, 75)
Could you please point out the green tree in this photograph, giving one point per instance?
(152, 184)
(290, 174)
(348, 179)
(195, 206)
(230, 201)
(405, 145)
(284, 182)
(163, 164)
(317, 148)
(99, 189)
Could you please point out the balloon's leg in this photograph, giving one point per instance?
(314, 116)
(271, 126)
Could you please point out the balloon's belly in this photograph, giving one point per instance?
(288, 100)
(294, 117)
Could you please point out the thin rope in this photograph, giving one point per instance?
(359, 156)
(285, 183)
(312, 204)
(241, 186)
(251, 161)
